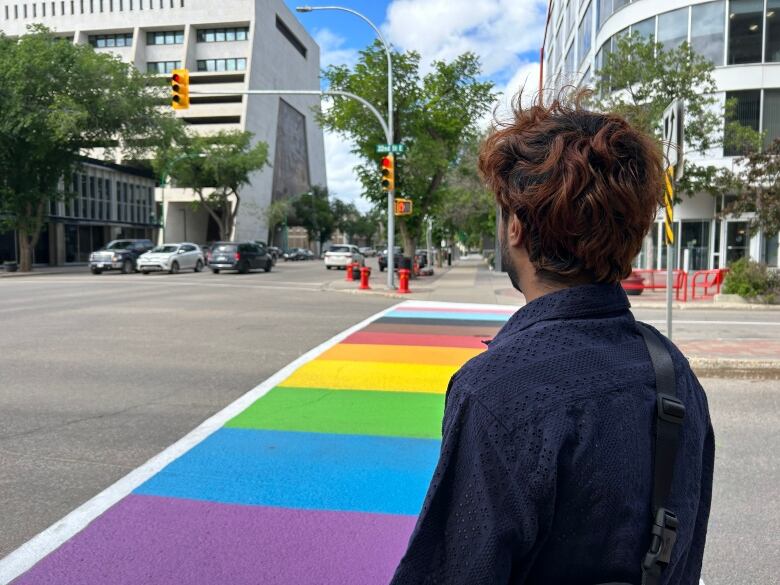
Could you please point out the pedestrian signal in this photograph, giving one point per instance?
(403, 207)
(180, 89)
(388, 173)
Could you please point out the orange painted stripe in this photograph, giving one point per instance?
(405, 354)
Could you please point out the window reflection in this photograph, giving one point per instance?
(745, 31)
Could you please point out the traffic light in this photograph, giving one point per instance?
(180, 89)
(388, 173)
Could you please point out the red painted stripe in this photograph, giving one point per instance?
(422, 309)
(415, 339)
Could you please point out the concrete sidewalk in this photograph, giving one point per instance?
(470, 280)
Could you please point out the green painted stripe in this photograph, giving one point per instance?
(348, 412)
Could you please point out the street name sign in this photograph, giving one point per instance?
(390, 148)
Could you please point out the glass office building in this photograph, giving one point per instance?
(742, 39)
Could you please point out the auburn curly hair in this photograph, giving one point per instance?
(586, 187)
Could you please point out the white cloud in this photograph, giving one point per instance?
(498, 31)
(342, 181)
(332, 49)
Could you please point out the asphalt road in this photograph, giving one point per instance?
(98, 374)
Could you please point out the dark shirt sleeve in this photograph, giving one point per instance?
(478, 519)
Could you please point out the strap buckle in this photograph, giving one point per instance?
(670, 408)
(664, 535)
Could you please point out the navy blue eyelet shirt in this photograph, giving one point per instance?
(546, 466)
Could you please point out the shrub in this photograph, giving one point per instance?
(750, 279)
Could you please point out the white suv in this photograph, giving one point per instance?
(339, 256)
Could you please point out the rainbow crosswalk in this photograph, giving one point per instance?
(318, 481)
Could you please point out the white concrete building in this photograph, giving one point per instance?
(228, 45)
(742, 38)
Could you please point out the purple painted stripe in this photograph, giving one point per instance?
(149, 539)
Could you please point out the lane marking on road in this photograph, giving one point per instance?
(27, 555)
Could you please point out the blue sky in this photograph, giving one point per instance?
(505, 34)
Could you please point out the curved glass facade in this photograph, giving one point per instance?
(730, 34)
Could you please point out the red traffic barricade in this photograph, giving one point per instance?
(706, 280)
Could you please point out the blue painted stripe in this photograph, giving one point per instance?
(302, 470)
(448, 315)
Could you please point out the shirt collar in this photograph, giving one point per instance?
(589, 300)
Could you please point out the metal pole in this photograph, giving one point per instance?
(429, 242)
(390, 131)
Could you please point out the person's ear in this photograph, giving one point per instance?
(515, 231)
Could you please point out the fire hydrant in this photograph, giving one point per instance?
(365, 272)
(349, 272)
(403, 281)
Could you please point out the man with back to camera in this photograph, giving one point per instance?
(547, 472)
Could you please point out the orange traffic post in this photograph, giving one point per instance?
(365, 272)
(348, 268)
(403, 281)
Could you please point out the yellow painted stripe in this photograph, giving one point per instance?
(669, 188)
(404, 354)
(346, 375)
(669, 233)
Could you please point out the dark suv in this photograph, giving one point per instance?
(240, 256)
(118, 255)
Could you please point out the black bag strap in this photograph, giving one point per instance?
(669, 416)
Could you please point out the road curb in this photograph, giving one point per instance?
(735, 368)
(704, 307)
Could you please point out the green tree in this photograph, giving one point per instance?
(434, 114)
(312, 211)
(640, 78)
(276, 214)
(346, 217)
(59, 102)
(216, 167)
(468, 208)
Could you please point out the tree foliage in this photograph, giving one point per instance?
(640, 78)
(312, 210)
(59, 102)
(467, 210)
(434, 114)
(216, 167)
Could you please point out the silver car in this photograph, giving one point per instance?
(172, 258)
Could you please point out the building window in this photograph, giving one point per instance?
(238, 64)
(673, 28)
(605, 11)
(745, 31)
(110, 41)
(645, 28)
(571, 16)
(747, 108)
(585, 34)
(218, 35)
(290, 36)
(771, 118)
(169, 37)
(162, 66)
(772, 31)
(569, 63)
(708, 31)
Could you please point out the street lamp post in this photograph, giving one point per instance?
(390, 121)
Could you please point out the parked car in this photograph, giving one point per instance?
(397, 258)
(422, 257)
(205, 248)
(172, 258)
(309, 254)
(367, 252)
(338, 256)
(240, 256)
(275, 252)
(296, 254)
(118, 255)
